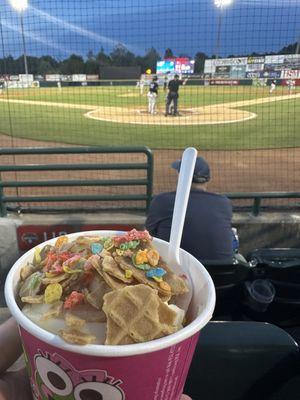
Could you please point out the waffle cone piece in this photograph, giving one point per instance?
(136, 314)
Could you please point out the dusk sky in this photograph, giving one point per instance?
(62, 27)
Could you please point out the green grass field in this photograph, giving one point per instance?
(276, 126)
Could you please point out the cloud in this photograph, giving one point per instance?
(269, 3)
(37, 38)
(103, 40)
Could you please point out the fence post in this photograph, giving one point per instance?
(3, 210)
(149, 178)
(256, 206)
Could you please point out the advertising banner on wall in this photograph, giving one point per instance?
(254, 67)
(231, 61)
(78, 77)
(53, 77)
(223, 70)
(254, 74)
(292, 58)
(25, 77)
(292, 61)
(277, 59)
(290, 73)
(66, 78)
(92, 77)
(225, 82)
(273, 67)
(238, 71)
(209, 66)
(272, 74)
(256, 60)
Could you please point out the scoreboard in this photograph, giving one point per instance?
(179, 65)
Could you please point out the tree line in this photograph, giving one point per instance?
(119, 56)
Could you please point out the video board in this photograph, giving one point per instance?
(184, 65)
(180, 65)
(165, 66)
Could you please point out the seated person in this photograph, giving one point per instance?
(207, 230)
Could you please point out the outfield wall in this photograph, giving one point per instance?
(20, 233)
(273, 67)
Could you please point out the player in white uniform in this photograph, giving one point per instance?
(272, 86)
(142, 84)
(291, 85)
(152, 96)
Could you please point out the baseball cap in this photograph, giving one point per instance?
(201, 171)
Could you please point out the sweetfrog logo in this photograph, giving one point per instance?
(56, 379)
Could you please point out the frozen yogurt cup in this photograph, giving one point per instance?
(154, 370)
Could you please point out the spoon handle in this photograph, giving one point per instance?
(181, 201)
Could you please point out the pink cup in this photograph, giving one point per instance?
(154, 370)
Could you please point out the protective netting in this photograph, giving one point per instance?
(79, 73)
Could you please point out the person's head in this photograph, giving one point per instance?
(201, 172)
(176, 76)
(154, 78)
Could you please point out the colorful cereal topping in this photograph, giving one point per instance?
(73, 277)
(53, 292)
(74, 299)
(96, 248)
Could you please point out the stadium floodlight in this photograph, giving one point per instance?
(20, 6)
(221, 4)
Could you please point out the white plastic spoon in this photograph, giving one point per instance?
(181, 201)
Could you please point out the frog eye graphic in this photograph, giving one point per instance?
(97, 391)
(53, 376)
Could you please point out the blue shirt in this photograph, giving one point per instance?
(207, 230)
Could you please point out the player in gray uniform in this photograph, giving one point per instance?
(152, 95)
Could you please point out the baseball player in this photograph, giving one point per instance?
(272, 86)
(152, 95)
(291, 85)
(172, 97)
(142, 84)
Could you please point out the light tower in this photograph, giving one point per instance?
(221, 5)
(20, 6)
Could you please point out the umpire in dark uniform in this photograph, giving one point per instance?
(173, 95)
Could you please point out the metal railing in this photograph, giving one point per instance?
(257, 198)
(146, 181)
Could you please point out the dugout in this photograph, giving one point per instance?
(129, 72)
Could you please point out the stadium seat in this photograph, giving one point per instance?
(282, 268)
(228, 277)
(244, 360)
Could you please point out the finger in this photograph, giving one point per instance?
(185, 397)
(17, 385)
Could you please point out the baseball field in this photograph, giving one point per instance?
(212, 118)
(243, 131)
